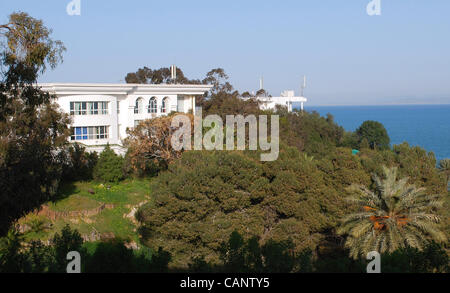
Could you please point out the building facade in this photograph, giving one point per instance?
(102, 113)
(287, 99)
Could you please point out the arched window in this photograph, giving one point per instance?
(153, 106)
(165, 105)
(138, 106)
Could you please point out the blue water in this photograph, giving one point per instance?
(427, 126)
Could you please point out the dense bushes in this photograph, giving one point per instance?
(38, 258)
(240, 256)
(207, 195)
(106, 257)
(114, 257)
(80, 164)
(310, 133)
(374, 135)
(32, 132)
(433, 259)
(109, 167)
(237, 255)
(150, 145)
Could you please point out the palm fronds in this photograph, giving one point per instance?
(395, 215)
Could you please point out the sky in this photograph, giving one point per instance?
(350, 58)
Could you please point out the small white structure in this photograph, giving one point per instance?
(101, 113)
(286, 99)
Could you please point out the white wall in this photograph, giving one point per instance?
(121, 114)
(110, 120)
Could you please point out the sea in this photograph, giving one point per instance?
(427, 126)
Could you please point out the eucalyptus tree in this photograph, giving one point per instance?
(32, 129)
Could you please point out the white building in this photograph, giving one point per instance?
(101, 113)
(286, 99)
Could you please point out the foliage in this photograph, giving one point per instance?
(150, 144)
(11, 258)
(106, 257)
(216, 77)
(32, 129)
(114, 257)
(206, 195)
(444, 168)
(374, 133)
(28, 42)
(311, 133)
(432, 259)
(223, 104)
(146, 75)
(37, 258)
(80, 164)
(69, 240)
(109, 166)
(240, 256)
(396, 215)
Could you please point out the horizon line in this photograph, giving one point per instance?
(373, 105)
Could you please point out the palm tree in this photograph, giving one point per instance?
(396, 215)
(444, 167)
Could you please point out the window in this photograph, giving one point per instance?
(153, 106)
(164, 105)
(88, 108)
(89, 132)
(138, 106)
(93, 108)
(104, 108)
(78, 108)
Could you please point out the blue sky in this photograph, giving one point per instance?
(402, 56)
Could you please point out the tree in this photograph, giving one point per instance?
(310, 133)
(262, 93)
(375, 134)
(224, 104)
(150, 143)
(396, 215)
(218, 78)
(432, 259)
(109, 166)
(29, 42)
(12, 260)
(146, 75)
(69, 240)
(32, 128)
(80, 164)
(444, 168)
(204, 196)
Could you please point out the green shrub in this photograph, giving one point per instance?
(433, 259)
(69, 240)
(80, 164)
(373, 133)
(109, 167)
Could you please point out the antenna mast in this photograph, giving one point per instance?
(173, 72)
(303, 86)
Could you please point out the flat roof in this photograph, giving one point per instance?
(123, 88)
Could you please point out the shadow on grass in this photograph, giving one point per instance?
(65, 190)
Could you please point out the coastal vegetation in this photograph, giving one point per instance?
(319, 208)
(395, 215)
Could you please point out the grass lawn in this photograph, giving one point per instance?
(78, 197)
